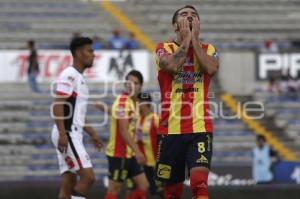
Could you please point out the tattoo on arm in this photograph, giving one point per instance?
(178, 57)
(179, 54)
(163, 63)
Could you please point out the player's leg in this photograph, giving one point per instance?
(173, 190)
(113, 190)
(170, 167)
(135, 171)
(199, 180)
(117, 175)
(67, 168)
(150, 174)
(87, 178)
(67, 185)
(83, 168)
(142, 185)
(198, 160)
(130, 188)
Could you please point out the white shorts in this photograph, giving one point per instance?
(76, 157)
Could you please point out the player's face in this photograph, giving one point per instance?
(87, 55)
(132, 85)
(187, 13)
(143, 106)
(260, 143)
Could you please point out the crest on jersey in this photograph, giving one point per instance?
(160, 52)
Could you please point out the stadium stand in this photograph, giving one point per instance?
(26, 139)
(223, 20)
(53, 22)
(284, 114)
(50, 23)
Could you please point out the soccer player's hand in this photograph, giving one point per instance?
(140, 157)
(184, 29)
(195, 29)
(97, 142)
(63, 143)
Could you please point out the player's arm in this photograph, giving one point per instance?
(209, 63)
(103, 107)
(123, 124)
(58, 113)
(92, 133)
(171, 62)
(64, 90)
(274, 156)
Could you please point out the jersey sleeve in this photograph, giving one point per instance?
(65, 84)
(122, 108)
(160, 52)
(212, 51)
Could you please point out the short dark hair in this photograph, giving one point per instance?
(261, 137)
(175, 15)
(31, 43)
(136, 74)
(144, 97)
(78, 42)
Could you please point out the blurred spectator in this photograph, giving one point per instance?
(298, 83)
(116, 42)
(97, 43)
(292, 88)
(33, 67)
(284, 81)
(270, 46)
(263, 159)
(296, 43)
(132, 43)
(275, 84)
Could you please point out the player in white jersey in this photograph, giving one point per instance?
(69, 111)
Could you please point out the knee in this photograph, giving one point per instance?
(64, 196)
(144, 185)
(114, 189)
(89, 179)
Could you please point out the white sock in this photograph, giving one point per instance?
(77, 197)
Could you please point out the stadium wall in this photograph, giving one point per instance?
(237, 72)
(241, 72)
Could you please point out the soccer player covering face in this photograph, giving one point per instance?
(124, 156)
(185, 67)
(69, 111)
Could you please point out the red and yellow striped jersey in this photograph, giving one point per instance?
(122, 108)
(146, 137)
(184, 95)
